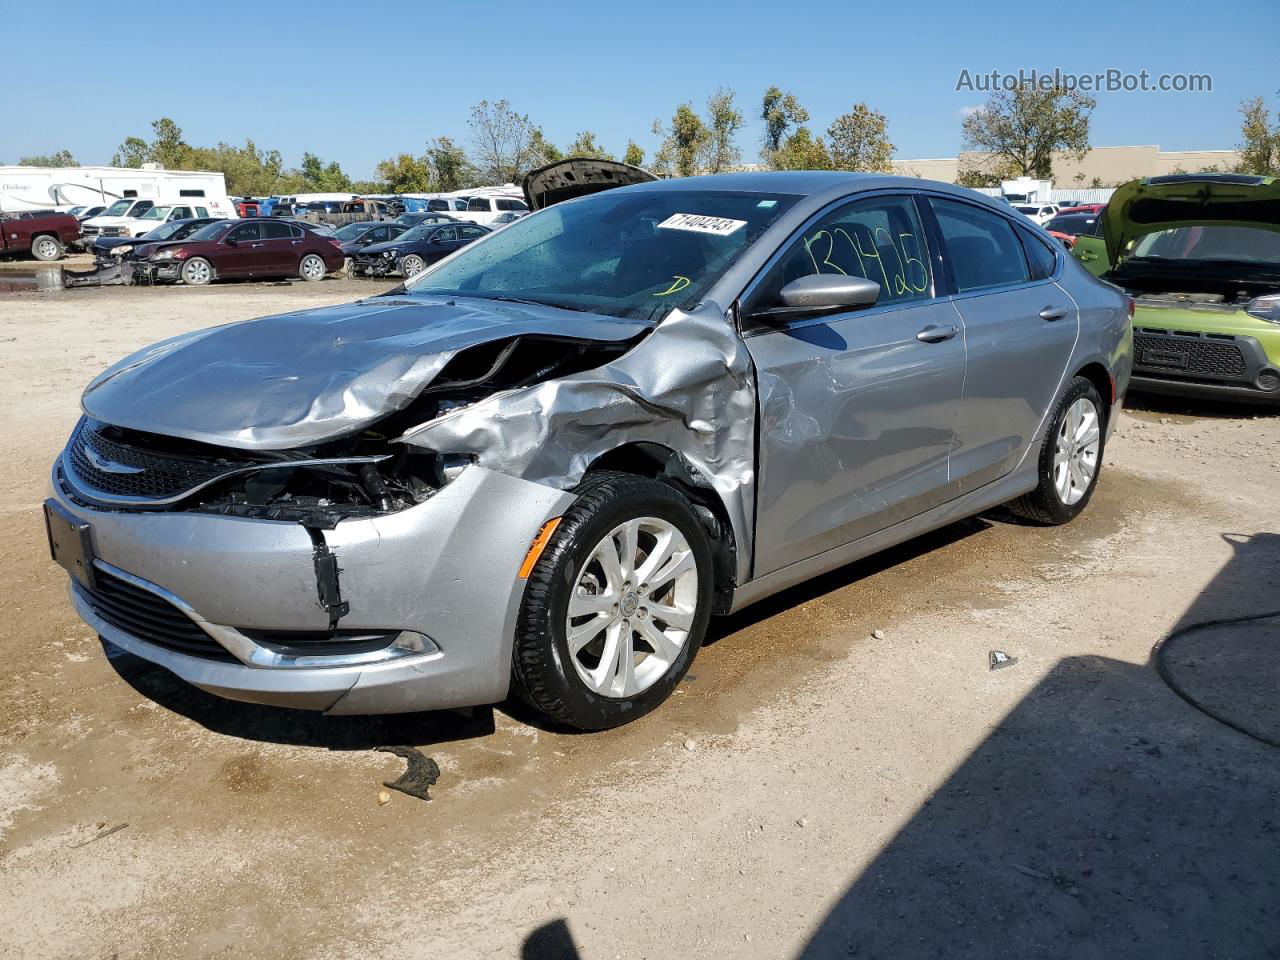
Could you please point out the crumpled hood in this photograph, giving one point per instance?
(299, 379)
(578, 177)
(1188, 200)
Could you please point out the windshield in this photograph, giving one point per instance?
(210, 231)
(637, 255)
(1073, 226)
(118, 208)
(351, 231)
(1236, 244)
(1025, 209)
(156, 213)
(165, 230)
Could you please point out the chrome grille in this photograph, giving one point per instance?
(1191, 354)
(148, 616)
(123, 470)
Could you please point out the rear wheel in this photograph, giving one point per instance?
(1070, 458)
(46, 248)
(617, 605)
(197, 272)
(312, 267)
(412, 265)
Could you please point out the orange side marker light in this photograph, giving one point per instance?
(539, 544)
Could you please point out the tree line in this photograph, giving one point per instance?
(1015, 133)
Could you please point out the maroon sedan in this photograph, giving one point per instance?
(257, 247)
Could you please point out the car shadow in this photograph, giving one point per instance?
(1104, 817)
(1205, 409)
(251, 721)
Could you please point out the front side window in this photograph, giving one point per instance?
(621, 253)
(180, 213)
(879, 238)
(478, 204)
(246, 233)
(156, 213)
(981, 247)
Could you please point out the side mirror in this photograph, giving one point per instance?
(231, 242)
(821, 293)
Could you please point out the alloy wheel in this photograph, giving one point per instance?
(632, 607)
(312, 267)
(1075, 455)
(196, 272)
(411, 266)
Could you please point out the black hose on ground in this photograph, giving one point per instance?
(1161, 647)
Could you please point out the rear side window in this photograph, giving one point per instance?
(446, 233)
(981, 247)
(276, 231)
(478, 204)
(1041, 261)
(879, 238)
(471, 233)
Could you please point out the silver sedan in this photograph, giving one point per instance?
(543, 464)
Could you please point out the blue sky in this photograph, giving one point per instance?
(358, 82)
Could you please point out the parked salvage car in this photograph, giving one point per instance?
(258, 247)
(1201, 255)
(418, 219)
(354, 237)
(45, 236)
(1067, 226)
(543, 463)
(413, 251)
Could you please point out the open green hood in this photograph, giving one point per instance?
(1189, 200)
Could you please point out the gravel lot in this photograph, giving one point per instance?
(812, 790)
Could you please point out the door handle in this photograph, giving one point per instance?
(936, 334)
(1053, 313)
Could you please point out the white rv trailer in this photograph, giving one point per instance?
(61, 188)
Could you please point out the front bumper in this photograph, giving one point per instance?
(163, 271)
(446, 569)
(1202, 364)
(370, 266)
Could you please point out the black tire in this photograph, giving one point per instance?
(312, 267)
(1044, 505)
(47, 248)
(542, 673)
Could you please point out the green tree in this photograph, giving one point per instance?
(780, 112)
(1260, 151)
(507, 144)
(62, 158)
(405, 173)
(723, 122)
(248, 171)
(585, 145)
(321, 177)
(859, 141)
(634, 154)
(132, 153)
(682, 145)
(541, 152)
(450, 168)
(800, 151)
(1026, 126)
(167, 146)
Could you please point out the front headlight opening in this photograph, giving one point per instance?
(1265, 308)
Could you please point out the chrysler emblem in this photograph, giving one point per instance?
(109, 466)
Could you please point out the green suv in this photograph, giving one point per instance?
(1200, 255)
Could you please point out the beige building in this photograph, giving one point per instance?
(1110, 166)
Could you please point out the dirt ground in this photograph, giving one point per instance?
(841, 775)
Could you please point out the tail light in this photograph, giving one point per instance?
(338, 243)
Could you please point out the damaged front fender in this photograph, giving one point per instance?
(689, 387)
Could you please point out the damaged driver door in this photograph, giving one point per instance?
(857, 407)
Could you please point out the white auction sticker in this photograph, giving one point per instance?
(720, 226)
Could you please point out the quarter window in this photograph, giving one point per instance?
(879, 238)
(982, 248)
(1040, 259)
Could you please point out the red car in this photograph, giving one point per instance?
(1082, 208)
(259, 247)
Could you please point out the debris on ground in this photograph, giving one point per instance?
(422, 773)
(877, 634)
(100, 835)
(384, 797)
(1000, 660)
(690, 746)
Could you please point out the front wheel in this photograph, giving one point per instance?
(617, 605)
(312, 267)
(197, 272)
(1070, 458)
(47, 248)
(412, 265)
